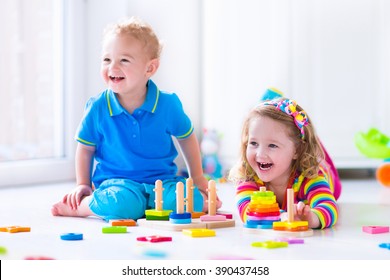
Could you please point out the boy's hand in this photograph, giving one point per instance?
(202, 184)
(74, 198)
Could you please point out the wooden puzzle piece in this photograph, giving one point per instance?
(199, 232)
(384, 245)
(226, 214)
(197, 215)
(375, 229)
(291, 240)
(160, 213)
(154, 238)
(291, 226)
(206, 218)
(71, 236)
(156, 218)
(270, 244)
(124, 222)
(220, 224)
(114, 229)
(154, 253)
(14, 229)
(38, 258)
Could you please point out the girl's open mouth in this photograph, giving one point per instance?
(265, 166)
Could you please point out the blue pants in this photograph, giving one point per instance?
(126, 199)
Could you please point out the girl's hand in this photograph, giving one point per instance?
(302, 212)
(74, 198)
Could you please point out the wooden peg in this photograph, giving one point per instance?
(179, 198)
(158, 190)
(212, 198)
(189, 195)
(290, 205)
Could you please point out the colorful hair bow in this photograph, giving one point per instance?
(289, 107)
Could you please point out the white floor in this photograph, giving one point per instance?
(363, 202)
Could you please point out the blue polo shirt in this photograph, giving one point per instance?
(136, 146)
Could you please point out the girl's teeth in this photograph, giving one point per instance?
(265, 166)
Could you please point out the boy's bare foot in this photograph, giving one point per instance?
(63, 209)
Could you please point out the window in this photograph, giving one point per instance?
(29, 75)
(35, 136)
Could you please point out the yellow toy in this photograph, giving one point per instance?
(270, 244)
(291, 225)
(199, 232)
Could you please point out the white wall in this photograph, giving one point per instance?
(330, 55)
(220, 55)
(176, 23)
(343, 79)
(246, 49)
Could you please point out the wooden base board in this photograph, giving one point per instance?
(279, 233)
(196, 223)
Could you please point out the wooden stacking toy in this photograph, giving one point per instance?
(263, 210)
(185, 217)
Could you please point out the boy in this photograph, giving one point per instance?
(128, 130)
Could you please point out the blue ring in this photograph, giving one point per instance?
(178, 216)
(180, 221)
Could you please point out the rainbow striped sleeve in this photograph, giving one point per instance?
(320, 198)
(243, 197)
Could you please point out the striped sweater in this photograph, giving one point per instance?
(317, 193)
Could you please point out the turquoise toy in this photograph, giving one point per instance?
(209, 146)
(271, 93)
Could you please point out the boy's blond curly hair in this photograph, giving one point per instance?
(140, 30)
(309, 149)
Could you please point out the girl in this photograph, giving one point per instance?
(280, 150)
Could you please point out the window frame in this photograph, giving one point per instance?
(70, 15)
